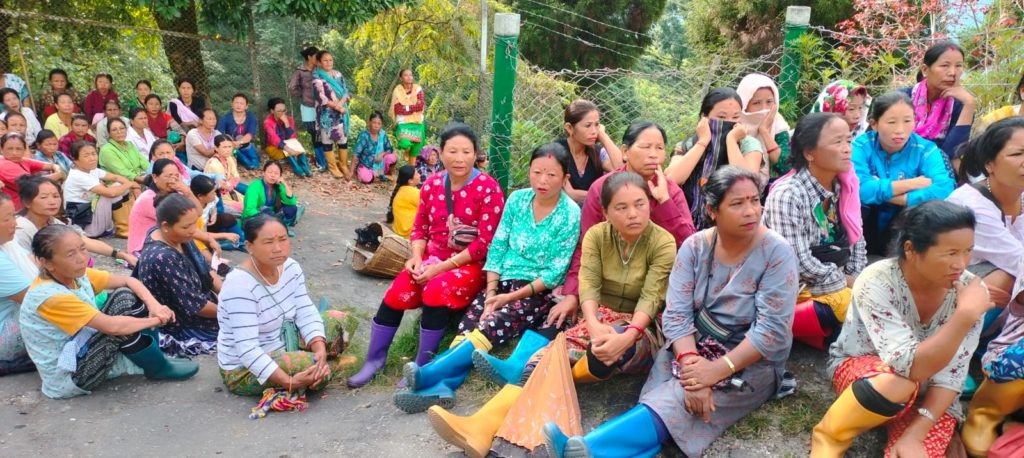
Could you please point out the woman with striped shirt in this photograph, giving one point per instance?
(257, 298)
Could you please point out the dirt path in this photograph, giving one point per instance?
(131, 416)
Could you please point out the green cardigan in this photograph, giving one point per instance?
(256, 198)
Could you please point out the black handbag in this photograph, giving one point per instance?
(838, 252)
(80, 214)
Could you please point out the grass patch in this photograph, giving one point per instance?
(792, 416)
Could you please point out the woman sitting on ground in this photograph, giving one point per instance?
(761, 118)
(142, 90)
(223, 164)
(279, 128)
(720, 140)
(59, 85)
(199, 141)
(111, 110)
(257, 298)
(429, 161)
(1001, 113)
(997, 257)
(903, 354)
(626, 264)
(95, 102)
(138, 131)
(897, 169)
(816, 208)
(177, 274)
(458, 214)
(119, 156)
(527, 259)
(88, 201)
(374, 156)
(240, 125)
(165, 179)
(847, 99)
(16, 165)
(162, 123)
(405, 199)
(12, 104)
(76, 347)
(269, 194)
(47, 151)
(79, 133)
(188, 107)
(593, 152)
(41, 198)
(61, 121)
(996, 201)
(14, 283)
(943, 108)
(726, 322)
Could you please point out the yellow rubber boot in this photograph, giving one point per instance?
(474, 433)
(332, 163)
(843, 422)
(990, 405)
(581, 372)
(343, 162)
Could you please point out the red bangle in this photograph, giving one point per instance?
(684, 354)
(639, 330)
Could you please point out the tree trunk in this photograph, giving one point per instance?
(184, 54)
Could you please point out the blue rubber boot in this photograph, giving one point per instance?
(456, 361)
(440, 394)
(632, 434)
(510, 370)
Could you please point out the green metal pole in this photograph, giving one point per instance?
(506, 50)
(797, 20)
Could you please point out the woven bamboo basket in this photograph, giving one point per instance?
(387, 261)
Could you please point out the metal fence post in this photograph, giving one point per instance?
(797, 20)
(506, 50)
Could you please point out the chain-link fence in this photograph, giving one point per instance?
(993, 64)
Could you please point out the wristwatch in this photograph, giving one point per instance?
(927, 414)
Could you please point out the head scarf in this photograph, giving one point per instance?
(835, 98)
(746, 89)
(715, 156)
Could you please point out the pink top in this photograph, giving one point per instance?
(275, 129)
(479, 204)
(140, 220)
(673, 216)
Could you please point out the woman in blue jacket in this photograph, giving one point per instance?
(240, 125)
(897, 168)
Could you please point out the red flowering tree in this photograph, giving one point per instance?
(904, 27)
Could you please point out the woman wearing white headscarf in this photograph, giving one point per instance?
(760, 97)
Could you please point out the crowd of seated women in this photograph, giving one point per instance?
(698, 267)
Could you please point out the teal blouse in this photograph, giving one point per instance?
(523, 250)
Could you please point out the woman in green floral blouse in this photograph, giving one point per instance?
(528, 257)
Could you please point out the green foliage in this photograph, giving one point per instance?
(670, 34)
(750, 28)
(550, 25)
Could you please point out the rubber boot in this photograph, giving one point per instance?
(475, 433)
(380, 340)
(157, 366)
(445, 377)
(843, 422)
(429, 340)
(581, 372)
(991, 404)
(332, 163)
(511, 369)
(343, 162)
(632, 434)
(456, 360)
(807, 327)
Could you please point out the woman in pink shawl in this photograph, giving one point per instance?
(186, 108)
(816, 207)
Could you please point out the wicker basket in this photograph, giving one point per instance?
(387, 261)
